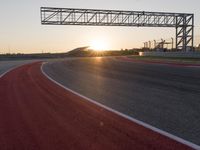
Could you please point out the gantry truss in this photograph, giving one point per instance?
(182, 22)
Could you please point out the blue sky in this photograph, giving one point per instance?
(21, 31)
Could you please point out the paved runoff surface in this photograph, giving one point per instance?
(8, 65)
(164, 96)
(37, 114)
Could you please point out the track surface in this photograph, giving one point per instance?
(37, 114)
(164, 96)
(7, 65)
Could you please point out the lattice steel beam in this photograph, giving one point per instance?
(185, 32)
(184, 23)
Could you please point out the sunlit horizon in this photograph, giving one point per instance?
(99, 44)
(25, 34)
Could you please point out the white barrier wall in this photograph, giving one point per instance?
(172, 54)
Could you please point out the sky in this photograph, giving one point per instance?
(21, 30)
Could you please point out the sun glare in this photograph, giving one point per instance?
(99, 45)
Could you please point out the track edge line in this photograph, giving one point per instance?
(169, 135)
(13, 68)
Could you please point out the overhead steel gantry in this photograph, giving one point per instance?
(182, 22)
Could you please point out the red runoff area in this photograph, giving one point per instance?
(37, 114)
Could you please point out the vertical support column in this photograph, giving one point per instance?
(179, 33)
(176, 37)
(61, 16)
(192, 32)
(185, 32)
(184, 48)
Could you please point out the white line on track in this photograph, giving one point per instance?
(12, 68)
(178, 139)
(8, 71)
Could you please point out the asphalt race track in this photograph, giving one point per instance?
(164, 96)
(37, 114)
(7, 65)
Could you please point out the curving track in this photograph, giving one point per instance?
(164, 96)
(36, 114)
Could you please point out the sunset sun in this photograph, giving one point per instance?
(99, 45)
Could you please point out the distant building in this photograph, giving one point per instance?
(78, 51)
